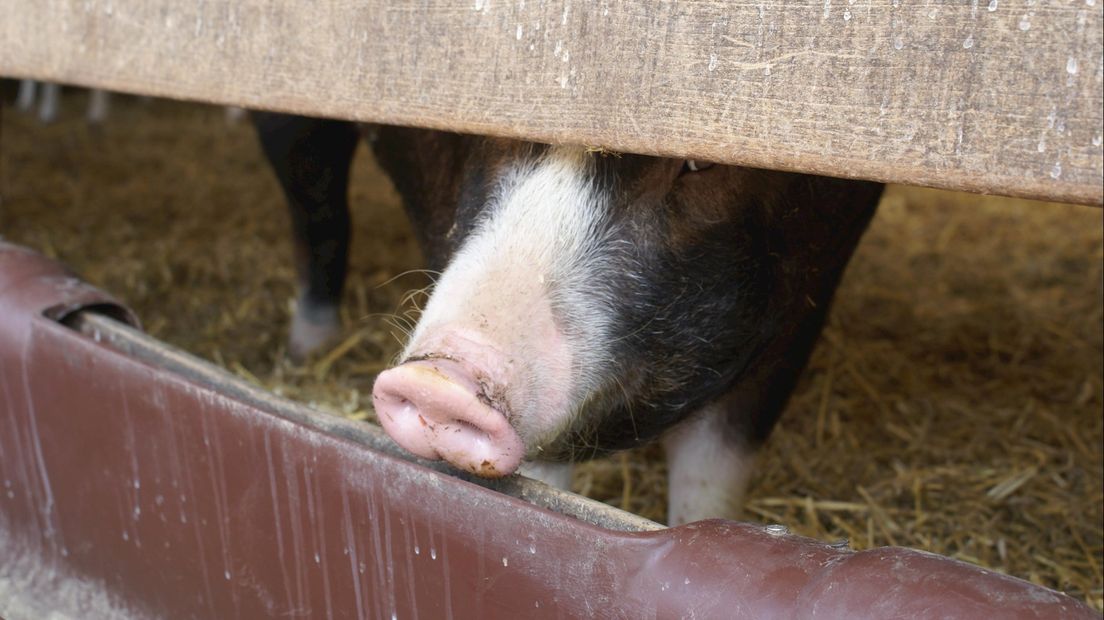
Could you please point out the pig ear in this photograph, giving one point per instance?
(693, 165)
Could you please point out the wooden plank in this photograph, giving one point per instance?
(990, 96)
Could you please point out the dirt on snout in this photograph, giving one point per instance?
(953, 404)
(487, 469)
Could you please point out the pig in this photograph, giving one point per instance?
(588, 302)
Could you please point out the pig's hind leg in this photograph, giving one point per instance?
(311, 158)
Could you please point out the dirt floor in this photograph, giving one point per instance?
(954, 403)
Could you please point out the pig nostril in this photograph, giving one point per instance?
(401, 406)
(406, 407)
(465, 425)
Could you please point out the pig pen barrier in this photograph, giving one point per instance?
(139, 481)
(142, 482)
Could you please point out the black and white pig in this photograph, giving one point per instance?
(587, 302)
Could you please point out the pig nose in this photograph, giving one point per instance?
(437, 410)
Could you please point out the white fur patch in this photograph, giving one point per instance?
(707, 472)
(538, 245)
(552, 474)
(312, 328)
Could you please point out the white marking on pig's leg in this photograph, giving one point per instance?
(707, 470)
(539, 244)
(553, 474)
(313, 327)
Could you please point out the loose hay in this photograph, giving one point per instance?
(953, 405)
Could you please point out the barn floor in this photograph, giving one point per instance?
(953, 405)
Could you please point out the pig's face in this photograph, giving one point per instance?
(589, 302)
(662, 307)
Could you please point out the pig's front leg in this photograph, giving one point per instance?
(708, 467)
(311, 158)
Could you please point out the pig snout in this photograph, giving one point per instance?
(439, 409)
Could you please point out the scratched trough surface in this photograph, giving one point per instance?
(991, 96)
(133, 492)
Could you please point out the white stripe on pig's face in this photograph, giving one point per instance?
(529, 264)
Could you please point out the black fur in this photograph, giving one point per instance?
(311, 158)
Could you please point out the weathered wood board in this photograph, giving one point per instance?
(991, 96)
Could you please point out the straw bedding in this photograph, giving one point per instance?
(953, 404)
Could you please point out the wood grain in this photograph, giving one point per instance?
(989, 96)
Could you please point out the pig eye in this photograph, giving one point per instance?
(693, 165)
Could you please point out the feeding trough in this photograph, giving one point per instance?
(142, 482)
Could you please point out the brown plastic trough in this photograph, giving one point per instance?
(141, 482)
